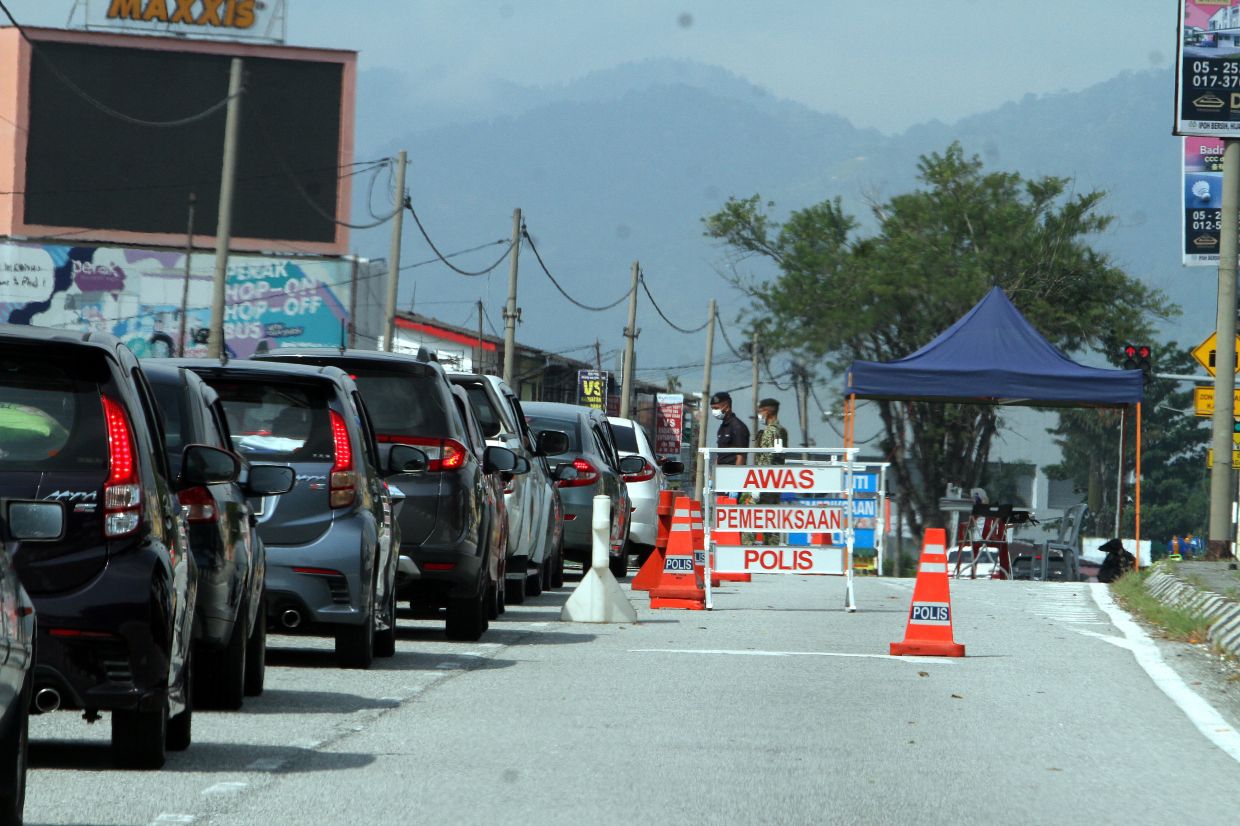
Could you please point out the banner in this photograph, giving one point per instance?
(1202, 201)
(135, 295)
(232, 19)
(1207, 66)
(669, 423)
(592, 389)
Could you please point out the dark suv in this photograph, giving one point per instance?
(115, 591)
(329, 541)
(453, 528)
(230, 621)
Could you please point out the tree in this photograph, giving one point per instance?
(1175, 484)
(839, 295)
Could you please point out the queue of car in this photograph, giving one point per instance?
(160, 518)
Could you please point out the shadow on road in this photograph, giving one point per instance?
(201, 757)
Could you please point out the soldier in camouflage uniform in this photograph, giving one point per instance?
(772, 433)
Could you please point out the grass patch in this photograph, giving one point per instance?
(1175, 623)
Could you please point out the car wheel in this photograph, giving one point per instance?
(180, 729)
(14, 742)
(619, 564)
(256, 652)
(355, 644)
(546, 572)
(467, 618)
(385, 641)
(139, 738)
(534, 582)
(514, 591)
(557, 568)
(495, 598)
(220, 683)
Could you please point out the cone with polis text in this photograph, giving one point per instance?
(652, 568)
(699, 544)
(726, 539)
(680, 585)
(929, 630)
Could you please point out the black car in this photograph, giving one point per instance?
(230, 620)
(453, 526)
(32, 521)
(115, 592)
(330, 541)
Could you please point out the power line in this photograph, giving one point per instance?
(444, 258)
(103, 107)
(724, 331)
(437, 259)
(563, 292)
(646, 287)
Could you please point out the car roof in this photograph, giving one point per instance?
(258, 368)
(30, 332)
(559, 410)
(289, 354)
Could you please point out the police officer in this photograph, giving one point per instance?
(732, 431)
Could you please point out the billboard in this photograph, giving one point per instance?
(1207, 67)
(669, 423)
(1201, 198)
(135, 294)
(592, 388)
(239, 19)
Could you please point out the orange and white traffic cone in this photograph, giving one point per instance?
(929, 630)
(680, 586)
(652, 568)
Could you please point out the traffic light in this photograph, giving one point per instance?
(1138, 357)
(1130, 357)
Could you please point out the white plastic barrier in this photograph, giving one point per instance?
(598, 597)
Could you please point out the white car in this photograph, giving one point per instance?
(644, 487)
(987, 562)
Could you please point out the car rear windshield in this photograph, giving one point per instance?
(273, 420)
(403, 403)
(568, 426)
(51, 415)
(626, 438)
(486, 414)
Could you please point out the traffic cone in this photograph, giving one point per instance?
(652, 568)
(726, 538)
(699, 544)
(680, 585)
(929, 630)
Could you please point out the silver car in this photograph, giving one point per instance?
(645, 485)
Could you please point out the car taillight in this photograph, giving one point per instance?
(199, 505)
(587, 474)
(644, 475)
(122, 493)
(343, 479)
(441, 454)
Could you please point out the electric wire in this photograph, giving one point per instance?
(101, 106)
(723, 330)
(563, 292)
(444, 258)
(646, 287)
(437, 259)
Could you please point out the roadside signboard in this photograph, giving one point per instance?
(779, 518)
(1202, 200)
(733, 559)
(592, 388)
(779, 478)
(1207, 66)
(1203, 400)
(1235, 458)
(669, 423)
(1205, 351)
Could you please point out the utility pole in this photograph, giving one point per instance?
(223, 228)
(353, 301)
(189, 256)
(803, 402)
(753, 361)
(704, 412)
(511, 314)
(398, 226)
(598, 356)
(630, 335)
(1224, 359)
(478, 355)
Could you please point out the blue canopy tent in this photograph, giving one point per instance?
(993, 355)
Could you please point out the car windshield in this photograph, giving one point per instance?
(51, 416)
(568, 426)
(277, 421)
(402, 403)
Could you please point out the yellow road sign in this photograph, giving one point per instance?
(1203, 401)
(1204, 353)
(1235, 458)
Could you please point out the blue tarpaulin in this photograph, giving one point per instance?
(992, 355)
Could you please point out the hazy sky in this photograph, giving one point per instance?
(882, 64)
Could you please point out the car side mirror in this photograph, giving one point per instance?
(632, 464)
(522, 466)
(552, 442)
(36, 520)
(407, 459)
(207, 465)
(498, 459)
(673, 466)
(269, 480)
(565, 472)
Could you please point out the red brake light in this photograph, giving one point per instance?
(122, 494)
(643, 475)
(199, 505)
(587, 474)
(342, 482)
(442, 454)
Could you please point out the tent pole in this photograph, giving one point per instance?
(850, 405)
(1137, 491)
(1119, 475)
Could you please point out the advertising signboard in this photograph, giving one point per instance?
(1207, 88)
(669, 423)
(1201, 198)
(592, 388)
(135, 294)
(234, 19)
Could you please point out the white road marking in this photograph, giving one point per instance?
(226, 787)
(1195, 707)
(932, 660)
(172, 818)
(265, 764)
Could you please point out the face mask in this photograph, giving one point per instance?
(761, 420)
(717, 413)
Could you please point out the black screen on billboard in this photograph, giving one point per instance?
(85, 168)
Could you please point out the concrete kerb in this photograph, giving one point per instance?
(1223, 614)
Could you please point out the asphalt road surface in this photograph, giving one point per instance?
(777, 707)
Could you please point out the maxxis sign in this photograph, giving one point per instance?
(1207, 65)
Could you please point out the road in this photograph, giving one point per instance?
(777, 707)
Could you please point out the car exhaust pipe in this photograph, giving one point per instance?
(46, 700)
(290, 618)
